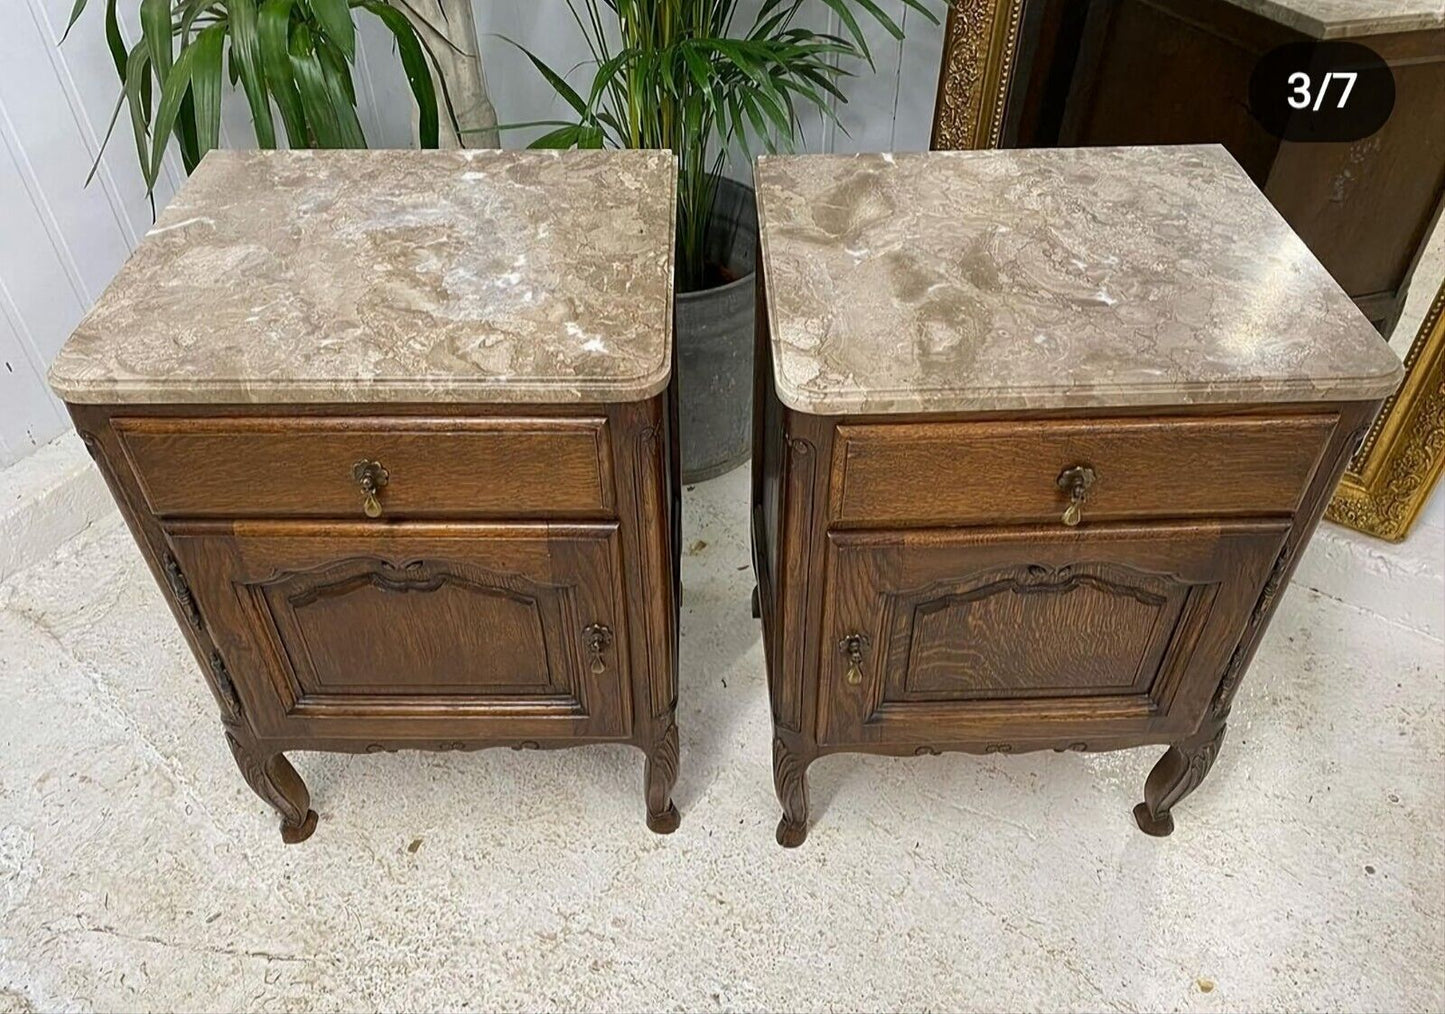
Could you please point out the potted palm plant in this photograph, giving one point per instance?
(676, 74)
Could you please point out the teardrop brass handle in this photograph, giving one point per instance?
(853, 647)
(1075, 482)
(371, 477)
(598, 638)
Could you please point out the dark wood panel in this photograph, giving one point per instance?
(1006, 472)
(438, 467)
(1365, 207)
(1100, 631)
(1196, 58)
(1028, 631)
(481, 627)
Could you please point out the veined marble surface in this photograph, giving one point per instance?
(392, 276)
(1347, 19)
(994, 280)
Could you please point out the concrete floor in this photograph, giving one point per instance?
(138, 872)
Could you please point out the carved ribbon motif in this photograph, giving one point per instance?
(225, 689)
(182, 592)
(1234, 670)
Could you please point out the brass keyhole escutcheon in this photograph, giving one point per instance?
(371, 476)
(1076, 482)
(853, 647)
(598, 637)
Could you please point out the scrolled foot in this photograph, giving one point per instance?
(659, 776)
(1160, 827)
(293, 835)
(1177, 774)
(272, 777)
(790, 779)
(665, 822)
(791, 835)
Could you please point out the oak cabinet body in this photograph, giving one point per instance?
(890, 631)
(446, 623)
(415, 483)
(981, 520)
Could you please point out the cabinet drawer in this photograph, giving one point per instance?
(1007, 472)
(349, 630)
(1006, 636)
(436, 467)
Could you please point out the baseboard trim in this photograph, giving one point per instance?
(46, 499)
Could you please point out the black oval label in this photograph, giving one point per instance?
(1321, 91)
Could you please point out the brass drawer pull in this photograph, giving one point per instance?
(853, 647)
(1076, 482)
(371, 477)
(598, 638)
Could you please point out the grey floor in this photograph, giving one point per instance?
(138, 872)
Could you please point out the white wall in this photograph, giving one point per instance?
(61, 241)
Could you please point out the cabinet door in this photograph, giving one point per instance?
(1006, 637)
(416, 631)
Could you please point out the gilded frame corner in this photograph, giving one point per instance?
(980, 43)
(1402, 457)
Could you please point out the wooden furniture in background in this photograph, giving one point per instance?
(1014, 487)
(410, 481)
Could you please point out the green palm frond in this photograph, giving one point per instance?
(292, 57)
(675, 74)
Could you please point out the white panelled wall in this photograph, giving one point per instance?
(61, 241)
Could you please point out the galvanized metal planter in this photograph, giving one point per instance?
(714, 333)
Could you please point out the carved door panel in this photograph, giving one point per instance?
(416, 631)
(1011, 636)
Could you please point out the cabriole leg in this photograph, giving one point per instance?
(660, 775)
(1177, 774)
(790, 779)
(272, 777)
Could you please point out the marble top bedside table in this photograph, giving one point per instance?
(1039, 438)
(395, 433)
(1365, 207)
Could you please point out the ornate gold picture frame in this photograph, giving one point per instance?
(1403, 455)
(979, 45)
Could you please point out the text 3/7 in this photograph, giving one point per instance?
(1300, 81)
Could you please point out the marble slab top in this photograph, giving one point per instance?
(392, 276)
(1349, 19)
(1071, 277)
